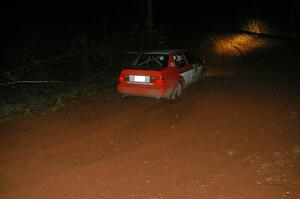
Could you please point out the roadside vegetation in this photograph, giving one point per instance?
(40, 76)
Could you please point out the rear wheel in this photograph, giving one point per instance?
(177, 92)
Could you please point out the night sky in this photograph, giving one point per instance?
(50, 14)
(25, 19)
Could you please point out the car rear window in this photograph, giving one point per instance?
(156, 61)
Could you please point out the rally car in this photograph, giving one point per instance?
(161, 74)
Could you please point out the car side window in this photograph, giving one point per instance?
(179, 60)
(190, 58)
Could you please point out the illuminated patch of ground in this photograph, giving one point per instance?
(241, 43)
(237, 44)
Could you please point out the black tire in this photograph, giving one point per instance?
(202, 78)
(123, 96)
(202, 75)
(176, 95)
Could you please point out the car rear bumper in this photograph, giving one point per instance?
(143, 91)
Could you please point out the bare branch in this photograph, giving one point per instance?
(28, 82)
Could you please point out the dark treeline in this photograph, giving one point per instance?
(48, 22)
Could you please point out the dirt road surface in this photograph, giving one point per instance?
(234, 136)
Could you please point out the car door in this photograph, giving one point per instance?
(197, 67)
(183, 68)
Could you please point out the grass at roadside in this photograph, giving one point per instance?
(28, 100)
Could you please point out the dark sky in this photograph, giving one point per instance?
(129, 11)
(28, 17)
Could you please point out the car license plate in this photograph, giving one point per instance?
(139, 78)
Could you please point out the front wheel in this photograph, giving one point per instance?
(202, 75)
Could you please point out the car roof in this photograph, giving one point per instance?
(164, 51)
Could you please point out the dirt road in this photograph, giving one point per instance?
(234, 136)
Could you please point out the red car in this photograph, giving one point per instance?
(161, 74)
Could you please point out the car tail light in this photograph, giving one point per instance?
(123, 78)
(157, 80)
